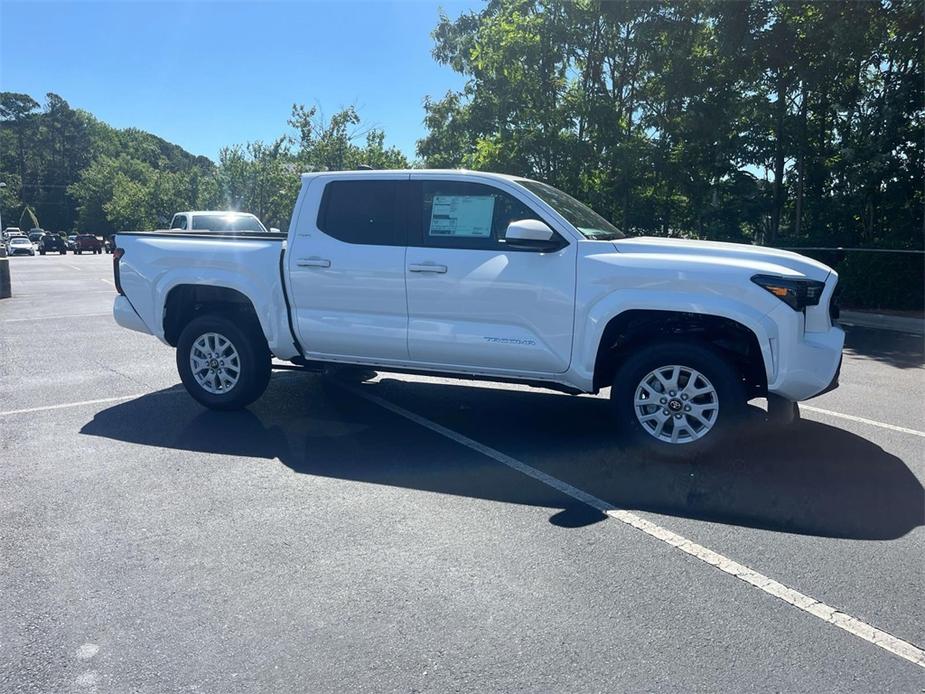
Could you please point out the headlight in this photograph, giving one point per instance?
(797, 294)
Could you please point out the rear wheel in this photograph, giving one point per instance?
(677, 399)
(223, 361)
(41, 252)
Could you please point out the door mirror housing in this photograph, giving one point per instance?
(274, 230)
(530, 235)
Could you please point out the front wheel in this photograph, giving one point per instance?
(677, 398)
(224, 363)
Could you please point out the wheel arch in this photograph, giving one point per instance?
(633, 329)
(184, 302)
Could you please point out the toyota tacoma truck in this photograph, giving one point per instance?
(487, 276)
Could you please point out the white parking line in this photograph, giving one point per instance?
(81, 403)
(818, 609)
(69, 315)
(863, 420)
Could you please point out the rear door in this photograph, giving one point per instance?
(474, 302)
(347, 269)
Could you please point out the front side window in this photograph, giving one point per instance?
(363, 212)
(591, 225)
(457, 214)
(179, 222)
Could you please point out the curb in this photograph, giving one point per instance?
(882, 321)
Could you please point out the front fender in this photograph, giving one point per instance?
(590, 328)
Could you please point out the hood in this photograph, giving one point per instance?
(789, 263)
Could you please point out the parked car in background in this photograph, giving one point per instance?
(489, 276)
(216, 220)
(51, 243)
(36, 234)
(87, 243)
(109, 245)
(20, 245)
(70, 241)
(9, 233)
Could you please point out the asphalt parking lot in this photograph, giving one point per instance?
(412, 534)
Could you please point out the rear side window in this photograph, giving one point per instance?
(364, 212)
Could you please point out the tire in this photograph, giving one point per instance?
(246, 339)
(63, 252)
(697, 366)
(41, 252)
(76, 252)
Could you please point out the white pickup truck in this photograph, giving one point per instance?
(487, 276)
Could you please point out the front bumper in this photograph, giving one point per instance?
(807, 364)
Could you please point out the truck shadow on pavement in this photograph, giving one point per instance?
(820, 480)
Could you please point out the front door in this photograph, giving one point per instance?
(347, 270)
(473, 302)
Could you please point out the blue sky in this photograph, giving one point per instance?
(208, 74)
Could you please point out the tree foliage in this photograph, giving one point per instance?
(776, 122)
(80, 174)
(792, 123)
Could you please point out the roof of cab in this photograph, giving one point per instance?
(354, 173)
(226, 213)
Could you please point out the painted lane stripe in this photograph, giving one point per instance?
(70, 315)
(862, 420)
(102, 401)
(82, 403)
(818, 609)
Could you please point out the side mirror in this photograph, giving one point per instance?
(530, 235)
(274, 230)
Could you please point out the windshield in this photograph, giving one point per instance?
(226, 222)
(19, 241)
(587, 221)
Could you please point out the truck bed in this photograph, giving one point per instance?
(154, 263)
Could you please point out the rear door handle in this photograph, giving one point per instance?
(313, 262)
(426, 267)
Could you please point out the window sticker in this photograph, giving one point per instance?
(462, 215)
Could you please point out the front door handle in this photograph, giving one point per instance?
(427, 267)
(313, 262)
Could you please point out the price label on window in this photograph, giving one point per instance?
(462, 215)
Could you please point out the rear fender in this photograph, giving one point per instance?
(266, 298)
